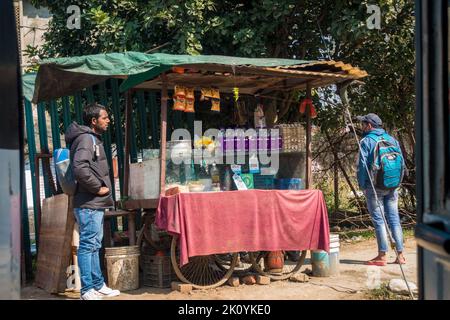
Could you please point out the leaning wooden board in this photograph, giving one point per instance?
(55, 240)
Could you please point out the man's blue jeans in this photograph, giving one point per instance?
(388, 200)
(90, 223)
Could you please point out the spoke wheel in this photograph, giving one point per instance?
(149, 245)
(202, 272)
(243, 266)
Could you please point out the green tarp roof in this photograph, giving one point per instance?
(63, 76)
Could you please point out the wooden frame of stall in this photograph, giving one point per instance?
(250, 80)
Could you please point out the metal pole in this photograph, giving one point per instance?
(126, 176)
(164, 98)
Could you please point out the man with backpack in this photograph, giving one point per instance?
(380, 171)
(92, 196)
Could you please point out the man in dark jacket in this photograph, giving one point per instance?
(387, 199)
(93, 196)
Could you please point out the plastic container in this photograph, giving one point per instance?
(229, 141)
(289, 184)
(221, 140)
(274, 140)
(158, 271)
(265, 182)
(262, 140)
(252, 143)
(334, 254)
(239, 141)
(122, 265)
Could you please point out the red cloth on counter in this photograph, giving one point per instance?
(246, 220)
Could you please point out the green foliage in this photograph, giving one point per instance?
(383, 293)
(301, 29)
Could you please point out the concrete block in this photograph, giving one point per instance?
(249, 280)
(181, 287)
(233, 282)
(299, 277)
(262, 280)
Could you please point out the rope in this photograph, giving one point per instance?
(346, 290)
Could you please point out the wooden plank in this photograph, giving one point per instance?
(55, 243)
(138, 204)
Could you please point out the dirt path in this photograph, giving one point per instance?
(350, 284)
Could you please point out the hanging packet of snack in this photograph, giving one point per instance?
(206, 94)
(179, 101)
(179, 104)
(189, 106)
(190, 100)
(179, 92)
(215, 103)
(189, 93)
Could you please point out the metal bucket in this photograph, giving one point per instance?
(122, 264)
(326, 264)
(320, 263)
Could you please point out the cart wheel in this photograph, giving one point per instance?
(243, 266)
(290, 268)
(145, 242)
(202, 272)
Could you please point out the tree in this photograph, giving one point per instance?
(301, 29)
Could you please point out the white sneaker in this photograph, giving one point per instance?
(91, 295)
(107, 292)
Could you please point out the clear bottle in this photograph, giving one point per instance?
(215, 174)
(204, 177)
(227, 180)
(253, 142)
(240, 141)
(262, 139)
(229, 140)
(221, 140)
(274, 140)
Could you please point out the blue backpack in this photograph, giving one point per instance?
(63, 169)
(388, 163)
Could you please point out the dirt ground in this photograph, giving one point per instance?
(350, 284)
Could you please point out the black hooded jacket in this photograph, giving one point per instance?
(90, 169)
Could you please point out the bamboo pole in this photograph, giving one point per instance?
(164, 98)
(131, 224)
(336, 183)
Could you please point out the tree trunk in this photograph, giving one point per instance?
(344, 172)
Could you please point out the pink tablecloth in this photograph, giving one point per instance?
(250, 220)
